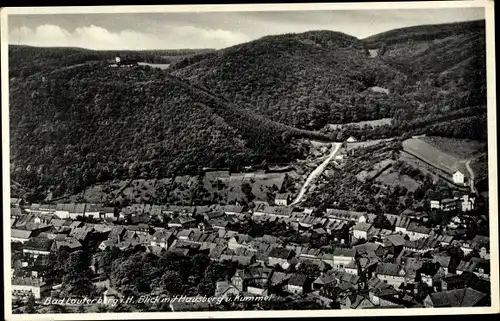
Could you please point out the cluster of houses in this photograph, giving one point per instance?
(465, 204)
(368, 267)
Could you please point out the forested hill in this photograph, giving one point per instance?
(72, 127)
(27, 60)
(444, 53)
(305, 80)
(311, 79)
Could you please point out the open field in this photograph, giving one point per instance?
(228, 187)
(138, 190)
(161, 66)
(367, 143)
(459, 148)
(434, 156)
(374, 123)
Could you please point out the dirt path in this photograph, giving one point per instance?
(316, 173)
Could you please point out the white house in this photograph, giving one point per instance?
(24, 286)
(402, 224)
(362, 230)
(458, 178)
(390, 273)
(416, 231)
(342, 257)
(435, 205)
(162, 239)
(297, 284)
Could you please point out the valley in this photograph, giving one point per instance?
(326, 171)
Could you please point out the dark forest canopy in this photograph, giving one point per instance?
(75, 121)
(311, 79)
(28, 60)
(73, 127)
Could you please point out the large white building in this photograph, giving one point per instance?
(25, 286)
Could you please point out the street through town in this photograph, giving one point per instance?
(316, 173)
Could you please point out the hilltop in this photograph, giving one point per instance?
(421, 77)
(27, 60)
(73, 127)
(305, 80)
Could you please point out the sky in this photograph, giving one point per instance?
(136, 31)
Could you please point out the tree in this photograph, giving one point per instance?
(77, 278)
(30, 305)
(172, 282)
(381, 221)
(309, 269)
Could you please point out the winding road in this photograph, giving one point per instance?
(471, 172)
(316, 173)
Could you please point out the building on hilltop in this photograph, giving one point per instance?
(125, 62)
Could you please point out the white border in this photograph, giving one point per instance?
(492, 155)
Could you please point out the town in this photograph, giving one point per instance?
(337, 258)
(241, 161)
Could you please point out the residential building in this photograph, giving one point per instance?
(363, 230)
(22, 287)
(342, 257)
(17, 235)
(38, 246)
(390, 273)
(416, 231)
(280, 256)
(298, 284)
(282, 199)
(466, 297)
(162, 239)
(458, 178)
(468, 203)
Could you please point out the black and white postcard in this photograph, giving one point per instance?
(194, 161)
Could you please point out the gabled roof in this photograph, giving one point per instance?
(395, 239)
(347, 252)
(22, 234)
(368, 248)
(466, 297)
(362, 226)
(417, 228)
(278, 278)
(162, 235)
(157, 250)
(480, 240)
(325, 279)
(38, 243)
(70, 242)
(443, 260)
(402, 221)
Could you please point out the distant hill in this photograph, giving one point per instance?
(27, 60)
(312, 79)
(305, 80)
(449, 58)
(72, 127)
